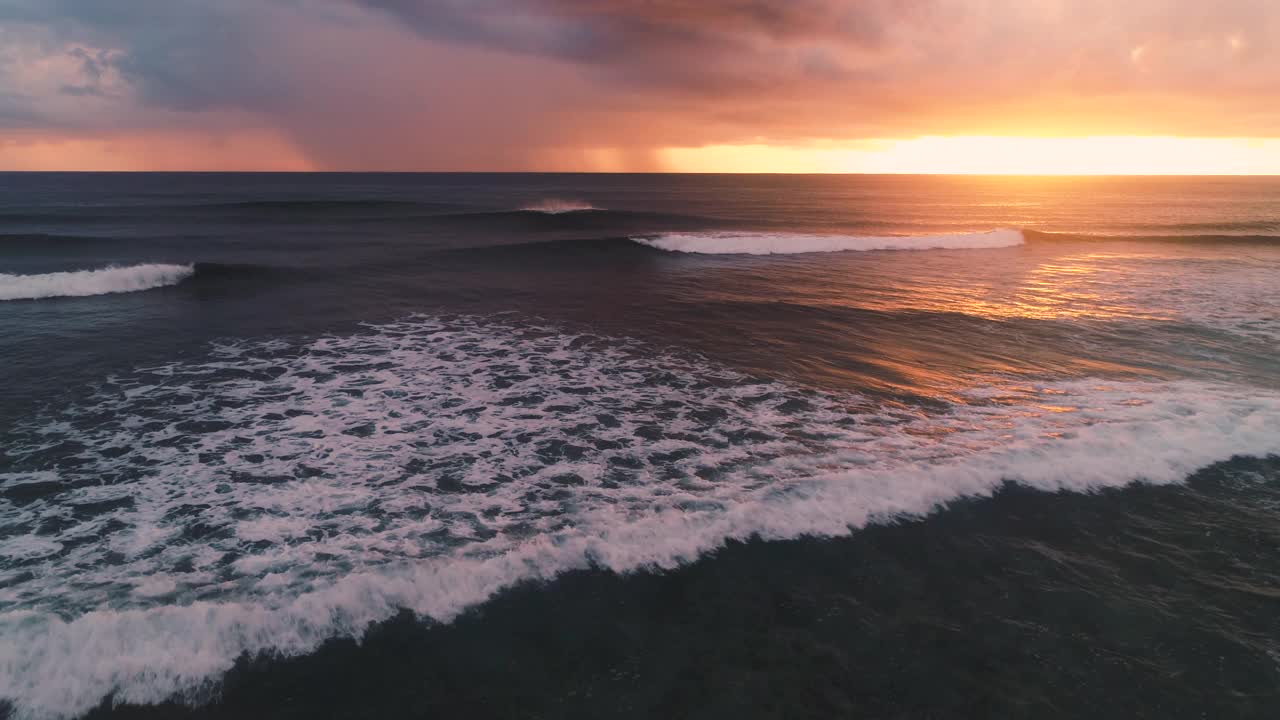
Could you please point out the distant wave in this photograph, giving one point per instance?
(1227, 227)
(92, 282)
(314, 204)
(12, 239)
(1222, 238)
(768, 243)
(555, 207)
(317, 208)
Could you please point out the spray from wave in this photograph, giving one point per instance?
(557, 207)
(92, 282)
(431, 463)
(764, 243)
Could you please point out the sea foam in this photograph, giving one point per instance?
(766, 243)
(556, 207)
(276, 495)
(92, 282)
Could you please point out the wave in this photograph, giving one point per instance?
(767, 243)
(321, 205)
(428, 464)
(556, 207)
(317, 203)
(585, 214)
(82, 283)
(1261, 227)
(38, 240)
(1221, 238)
(582, 223)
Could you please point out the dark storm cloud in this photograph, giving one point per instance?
(594, 30)
(712, 45)
(835, 67)
(176, 54)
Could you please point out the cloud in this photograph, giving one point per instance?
(606, 83)
(177, 55)
(346, 87)
(823, 67)
(714, 46)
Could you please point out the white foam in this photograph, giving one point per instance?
(556, 207)
(439, 461)
(764, 243)
(92, 282)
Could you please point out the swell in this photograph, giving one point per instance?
(40, 241)
(1220, 238)
(616, 241)
(1260, 227)
(318, 205)
(549, 206)
(694, 234)
(581, 218)
(533, 215)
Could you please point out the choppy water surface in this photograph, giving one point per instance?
(244, 415)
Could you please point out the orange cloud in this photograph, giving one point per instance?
(169, 151)
(596, 85)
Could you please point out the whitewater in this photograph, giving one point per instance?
(82, 283)
(430, 463)
(784, 243)
(553, 206)
(531, 439)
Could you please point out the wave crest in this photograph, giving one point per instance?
(349, 477)
(160, 653)
(83, 283)
(556, 207)
(765, 243)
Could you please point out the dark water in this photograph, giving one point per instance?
(639, 445)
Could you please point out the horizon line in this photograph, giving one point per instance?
(634, 172)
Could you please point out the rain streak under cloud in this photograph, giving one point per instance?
(592, 85)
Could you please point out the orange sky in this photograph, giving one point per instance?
(972, 86)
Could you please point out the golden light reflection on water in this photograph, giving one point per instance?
(932, 320)
(1088, 286)
(1092, 285)
(921, 351)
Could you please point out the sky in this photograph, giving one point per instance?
(1000, 86)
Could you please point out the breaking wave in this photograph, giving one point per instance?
(767, 243)
(276, 495)
(556, 207)
(92, 282)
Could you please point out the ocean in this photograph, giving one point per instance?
(573, 445)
